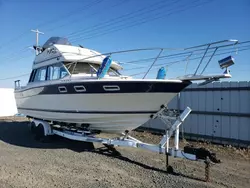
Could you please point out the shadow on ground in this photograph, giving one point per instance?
(18, 133)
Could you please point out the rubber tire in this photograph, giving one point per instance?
(32, 127)
(39, 132)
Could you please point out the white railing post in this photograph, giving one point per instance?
(176, 138)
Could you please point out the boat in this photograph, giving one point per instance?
(80, 87)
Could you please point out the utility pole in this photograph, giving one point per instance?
(37, 38)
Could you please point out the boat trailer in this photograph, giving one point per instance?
(42, 129)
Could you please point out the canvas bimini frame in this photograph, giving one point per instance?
(190, 153)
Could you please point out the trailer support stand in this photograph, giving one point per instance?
(169, 168)
(207, 170)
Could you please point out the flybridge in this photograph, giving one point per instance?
(206, 53)
(50, 43)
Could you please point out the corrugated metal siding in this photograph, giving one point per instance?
(220, 112)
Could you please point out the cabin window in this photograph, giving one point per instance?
(56, 71)
(52, 72)
(76, 68)
(87, 68)
(113, 72)
(32, 75)
(40, 74)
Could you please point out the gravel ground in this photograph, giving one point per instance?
(25, 162)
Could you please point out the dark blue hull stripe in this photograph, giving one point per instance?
(99, 87)
(89, 112)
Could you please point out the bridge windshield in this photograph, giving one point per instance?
(87, 68)
(56, 40)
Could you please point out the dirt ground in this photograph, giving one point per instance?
(25, 162)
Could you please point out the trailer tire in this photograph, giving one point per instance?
(32, 127)
(39, 132)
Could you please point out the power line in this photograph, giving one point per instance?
(12, 55)
(56, 20)
(97, 12)
(17, 54)
(179, 61)
(120, 27)
(184, 54)
(13, 39)
(43, 1)
(76, 11)
(19, 58)
(9, 78)
(168, 64)
(139, 22)
(69, 14)
(114, 20)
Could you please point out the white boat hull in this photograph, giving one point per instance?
(106, 112)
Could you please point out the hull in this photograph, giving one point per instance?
(107, 111)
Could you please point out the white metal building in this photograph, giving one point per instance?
(7, 102)
(220, 112)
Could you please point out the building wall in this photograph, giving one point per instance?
(220, 112)
(7, 102)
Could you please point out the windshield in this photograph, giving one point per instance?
(87, 68)
(56, 40)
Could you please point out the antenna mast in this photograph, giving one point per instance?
(37, 38)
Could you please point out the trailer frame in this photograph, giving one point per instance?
(44, 128)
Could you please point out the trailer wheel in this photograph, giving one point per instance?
(32, 127)
(39, 132)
